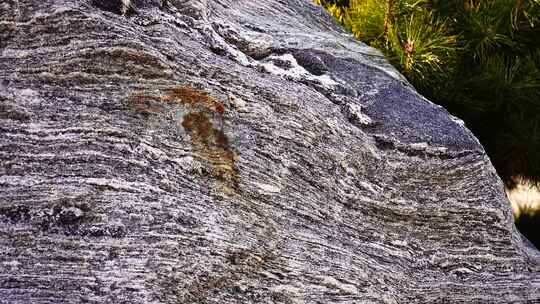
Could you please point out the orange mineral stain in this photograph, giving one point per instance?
(209, 142)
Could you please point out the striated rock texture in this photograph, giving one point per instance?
(220, 151)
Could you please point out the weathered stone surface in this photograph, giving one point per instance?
(203, 151)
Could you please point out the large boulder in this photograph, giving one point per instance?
(223, 151)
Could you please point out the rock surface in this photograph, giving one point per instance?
(205, 151)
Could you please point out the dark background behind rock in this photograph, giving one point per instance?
(235, 152)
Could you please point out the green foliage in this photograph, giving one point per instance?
(478, 58)
(335, 7)
(421, 46)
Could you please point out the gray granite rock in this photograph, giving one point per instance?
(205, 151)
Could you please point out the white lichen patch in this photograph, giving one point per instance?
(12, 264)
(421, 146)
(355, 113)
(16, 180)
(424, 146)
(399, 243)
(372, 92)
(73, 211)
(238, 103)
(119, 184)
(267, 188)
(239, 56)
(218, 42)
(293, 71)
(28, 95)
(16, 53)
(457, 120)
(368, 187)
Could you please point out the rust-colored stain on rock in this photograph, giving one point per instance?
(208, 141)
(194, 98)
